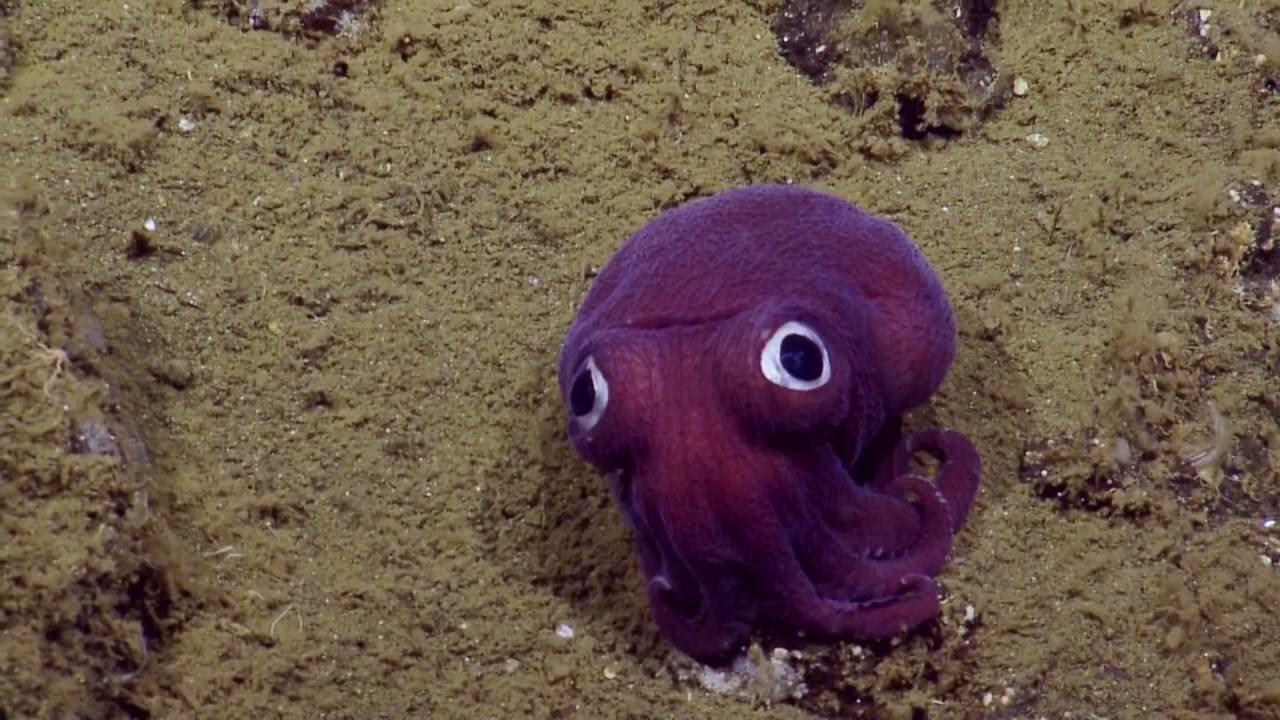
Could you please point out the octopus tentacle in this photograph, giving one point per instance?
(960, 474)
(916, 600)
(913, 601)
(871, 572)
(703, 607)
(718, 625)
(863, 518)
(929, 553)
(958, 478)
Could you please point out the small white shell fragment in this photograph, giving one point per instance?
(186, 124)
(1269, 524)
(970, 613)
(149, 224)
(1021, 87)
(565, 631)
(1038, 141)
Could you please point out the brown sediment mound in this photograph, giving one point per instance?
(310, 18)
(338, 338)
(908, 69)
(88, 600)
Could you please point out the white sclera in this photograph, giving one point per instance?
(771, 358)
(601, 387)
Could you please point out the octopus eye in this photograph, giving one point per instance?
(795, 358)
(589, 395)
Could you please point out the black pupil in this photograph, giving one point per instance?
(582, 396)
(801, 358)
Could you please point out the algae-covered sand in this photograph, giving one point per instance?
(282, 285)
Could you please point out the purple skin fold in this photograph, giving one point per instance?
(739, 369)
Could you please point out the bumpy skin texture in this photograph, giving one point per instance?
(753, 502)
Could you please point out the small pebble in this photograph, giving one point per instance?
(1038, 141)
(565, 631)
(1204, 25)
(94, 438)
(1021, 87)
(1269, 523)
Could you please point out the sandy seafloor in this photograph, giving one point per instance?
(296, 450)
